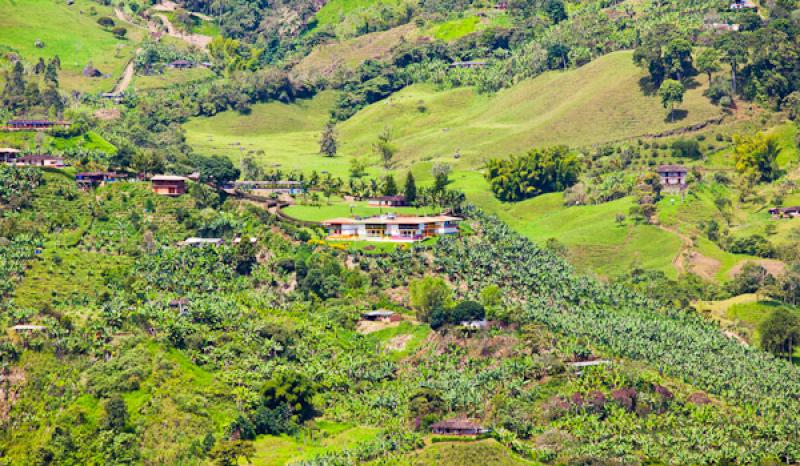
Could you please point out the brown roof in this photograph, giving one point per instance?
(457, 424)
(386, 220)
(672, 168)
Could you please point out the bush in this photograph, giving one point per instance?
(119, 32)
(106, 22)
(686, 148)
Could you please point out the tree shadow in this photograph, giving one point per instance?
(691, 83)
(677, 115)
(647, 86)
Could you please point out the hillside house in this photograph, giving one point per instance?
(88, 180)
(391, 228)
(33, 125)
(8, 154)
(181, 64)
(200, 242)
(672, 176)
(458, 427)
(115, 97)
(387, 201)
(377, 316)
(785, 212)
(39, 160)
(469, 64)
(289, 187)
(743, 5)
(168, 185)
(722, 27)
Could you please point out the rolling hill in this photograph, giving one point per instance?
(72, 33)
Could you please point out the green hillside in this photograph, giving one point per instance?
(72, 33)
(597, 103)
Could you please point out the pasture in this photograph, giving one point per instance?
(72, 33)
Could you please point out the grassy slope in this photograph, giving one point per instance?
(342, 209)
(288, 134)
(485, 452)
(74, 36)
(457, 28)
(334, 10)
(597, 103)
(349, 53)
(280, 450)
(170, 77)
(590, 105)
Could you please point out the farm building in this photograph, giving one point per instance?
(168, 185)
(672, 176)
(39, 160)
(87, 180)
(458, 427)
(377, 315)
(469, 64)
(387, 201)
(391, 228)
(722, 27)
(181, 64)
(115, 97)
(785, 212)
(743, 5)
(33, 125)
(199, 242)
(269, 187)
(8, 154)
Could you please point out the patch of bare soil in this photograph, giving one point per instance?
(368, 326)
(107, 114)
(398, 343)
(773, 266)
(398, 295)
(705, 267)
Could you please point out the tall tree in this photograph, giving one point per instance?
(671, 93)
(410, 190)
(780, 333)
(384, 147)
(327, 142)
(708, 62)
(389, 186)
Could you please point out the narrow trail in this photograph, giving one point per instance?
(686, 245)
(198, 40)
(127, 76)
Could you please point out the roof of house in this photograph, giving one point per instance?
(168, 178)
(202, 241)
(97, 174)
(377, 314)
(29, 122)
(268, 182)
(468, 63)
(388, 198)
(785, 209)
(28, 327)
(672, 168)
(179, 302)
(9, 150)
(38, 158)
(390, 220)
(181, 62)
(457, 424)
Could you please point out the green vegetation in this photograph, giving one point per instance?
(71, 32)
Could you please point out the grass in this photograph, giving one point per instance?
(278, 135)
(334, 11)
(418, 335)
(279, 450)
(597, 103)
(456, 28)
(484, 452)
(326, 59)
(343, 209)
(71, 33)
(170, 77)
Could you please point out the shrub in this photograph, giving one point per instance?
(105, 22)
